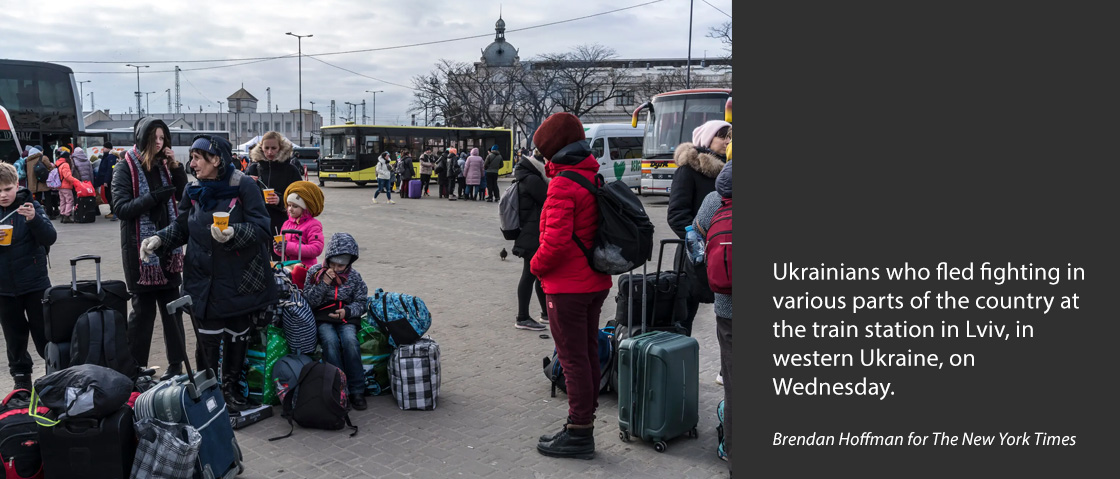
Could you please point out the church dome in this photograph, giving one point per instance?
(499, 54)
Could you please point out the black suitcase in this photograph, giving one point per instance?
(64, 303)
(86, 210)
(86, 448)
(665, 307)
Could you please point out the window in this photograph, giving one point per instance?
(276, 126)
(257, 127)
(597, 148)
(625, 98)
(595, 97)
(288, 127)
(211, 125)
(221, 125)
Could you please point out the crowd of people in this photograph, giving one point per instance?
(459, 175)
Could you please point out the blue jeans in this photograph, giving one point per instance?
(341, 349)
(383, 185)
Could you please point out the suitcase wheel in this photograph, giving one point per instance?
(660, 446)
(693, 433)
(625, 436)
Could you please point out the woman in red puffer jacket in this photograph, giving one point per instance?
(573, 291)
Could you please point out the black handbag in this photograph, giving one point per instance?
(323, 313)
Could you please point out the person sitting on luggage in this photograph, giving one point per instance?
(226, 271)
(305, 202)
(574, 292)
(337, 295)
(23, 267)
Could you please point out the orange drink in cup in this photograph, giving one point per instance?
(7, 241)
(221, 220)
(268, 192)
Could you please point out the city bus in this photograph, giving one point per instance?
(349, 152)
(42, 99)
(123, 138)
(9, 140)
(670, 119)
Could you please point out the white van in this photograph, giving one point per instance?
(618, 147)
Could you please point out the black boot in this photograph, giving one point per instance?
(574, 441)
(209, 352)
(232, 364)
(22, 381)
(172, 371)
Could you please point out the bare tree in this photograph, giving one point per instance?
(463, 95)
(723, 34)
(585, 80)
(537, 89)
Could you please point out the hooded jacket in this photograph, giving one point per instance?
(426, 164)
(23, 264)
(723, 181)
(307, 247)
(494, 162)
(473, 168)
(383, 168)
(532, 188)
(65, 173)
(694, 179)
(33, 183)
(405, 169)
(129, 208)
(568, 207)
(83, 169)
(352, 291)
(105, 169)
(276, 174)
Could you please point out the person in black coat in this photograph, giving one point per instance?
(698, 165)
(226, 271)
(532, 186)
(146, 188)
(23, 274)
(272, 166)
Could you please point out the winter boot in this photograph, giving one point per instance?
(232, 364)
(172, 371)
(574, 440)
(22, 381)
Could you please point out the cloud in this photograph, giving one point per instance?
(129, 31)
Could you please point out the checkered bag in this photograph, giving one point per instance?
(414, 374)
(165, 450)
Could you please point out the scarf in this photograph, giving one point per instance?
(151, 270)
(208, 192)
(342, 277)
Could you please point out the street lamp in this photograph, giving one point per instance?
(299, 46)
(374, 106)
(81, 89)
(147, 103)
(312, 120)
(92, 105)
(137, 67)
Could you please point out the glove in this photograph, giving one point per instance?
(221, 236)
(149, 246)
(163, 194)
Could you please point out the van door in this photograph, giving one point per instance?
(599, 151)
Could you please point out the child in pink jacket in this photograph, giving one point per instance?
(305, 202)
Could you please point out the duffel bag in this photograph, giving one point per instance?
(82, 391)
(402, 317)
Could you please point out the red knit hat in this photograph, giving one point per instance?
(558, 131)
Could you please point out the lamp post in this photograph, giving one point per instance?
(137, 67)
(147, 102)
(81, 89)
(92, 105)
(312, 120)
(374, 105)
(299, 47)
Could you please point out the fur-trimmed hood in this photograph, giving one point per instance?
(707, 164)
(284, 155)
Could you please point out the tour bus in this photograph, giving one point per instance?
(9, 141)
(350, 151)
(618, 147)
(123, 138)
(670, 119)
(42, 101)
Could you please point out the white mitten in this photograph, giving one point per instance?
(149, 246)
(221, 236)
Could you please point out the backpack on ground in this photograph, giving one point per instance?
(508, 212)
(625, 237)
(53, 180)
(317, 400)
(100, 337)
(415, 374)
(42, 172)
(717, 249)
(402, 317)
(607, 363)
(19, 437)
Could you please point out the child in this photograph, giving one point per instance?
(66, 191)
(23, 267)
(337, 295)
(305, 202)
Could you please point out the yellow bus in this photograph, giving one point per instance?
(349, 152)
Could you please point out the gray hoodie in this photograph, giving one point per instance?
(353, 291)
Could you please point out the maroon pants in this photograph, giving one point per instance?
(574, 321)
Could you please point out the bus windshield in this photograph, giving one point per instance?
(339, 144)
(672, 119)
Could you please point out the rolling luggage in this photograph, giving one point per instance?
(414, 189)
(63, 304)
(86, 210)
(86, 447)
(658, 384)
(664, 309)
(196, 400)
(19, 437)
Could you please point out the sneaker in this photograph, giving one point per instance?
(544, 319)
(392, 202)
(22, 381)
(375, 201)
(529, 324)
(719, 379)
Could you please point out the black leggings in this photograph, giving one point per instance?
(22, 316)
(492, 186)
(141, 323)
(424, 181)
(525, 288)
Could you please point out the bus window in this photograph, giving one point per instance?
(373, 145)
(351, 145)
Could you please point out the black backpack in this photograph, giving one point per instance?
(100, 337)
(318, 400)
(625, 237)
(42, 172)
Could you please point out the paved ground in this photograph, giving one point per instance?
(494, 400)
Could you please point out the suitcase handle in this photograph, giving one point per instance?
(299, 242)
(680, 270)
(74, 271)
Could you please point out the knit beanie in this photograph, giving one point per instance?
(703, 134)
(558, 131)
(309, 193)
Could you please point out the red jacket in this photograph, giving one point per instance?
(559, 263)
(65, 175)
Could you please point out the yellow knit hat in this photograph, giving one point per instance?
(309, 193)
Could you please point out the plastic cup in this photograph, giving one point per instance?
(7, 229)
(278, 238)
(221, 220)
(268, 192)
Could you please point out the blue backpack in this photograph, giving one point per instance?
(402, 317)
(555, 373)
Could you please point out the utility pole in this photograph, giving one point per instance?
(148, 102)
(178, 101)
(688, 75)
(92, 105)
(332, 112)
(168, 100)
(81, 89)
(220, 105)
(299, 46)
(268, 94)
(137, 67)
(374, 106)
(364, 112)
(350, 111)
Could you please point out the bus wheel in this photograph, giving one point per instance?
(361, 183)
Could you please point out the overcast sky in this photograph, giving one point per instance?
(126, 31)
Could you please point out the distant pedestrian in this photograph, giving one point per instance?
(440, 170)
(532, 187)
(461, 178)
(406, 170)
(427, 163)
(66, 191)
(104, 176)
(39, 189)
(473, 170)
(493, 166)
(384, 176)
